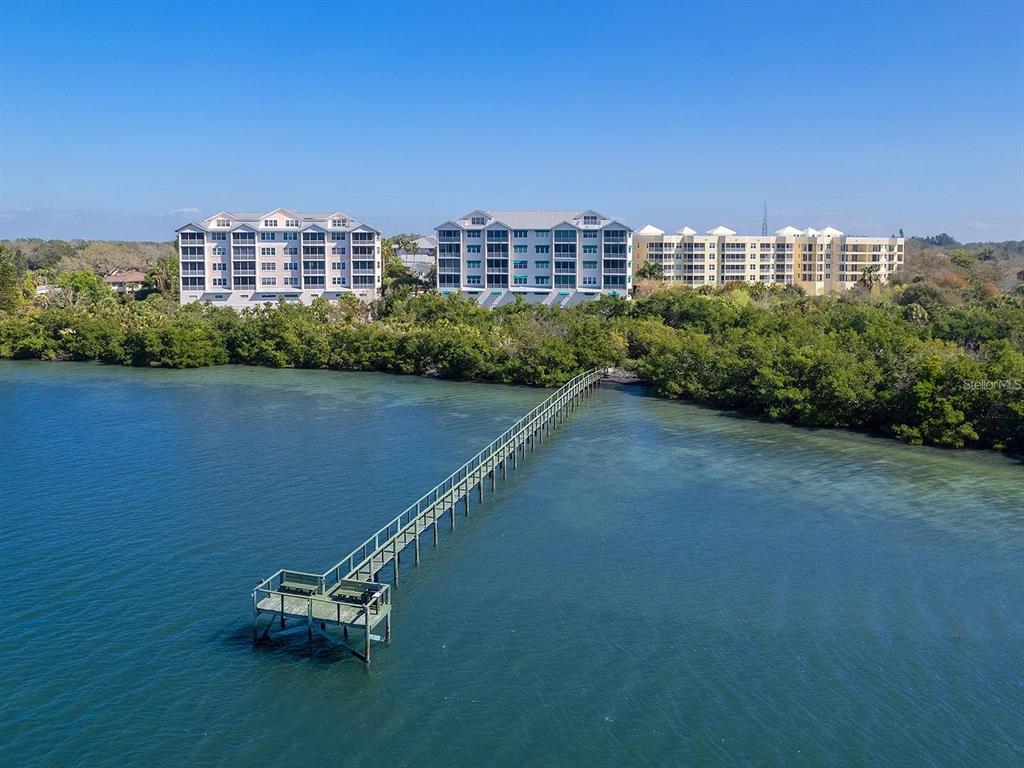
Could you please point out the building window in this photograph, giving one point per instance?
(337, 222)
(590, 265)
(473, 280)
(222, 281)
(542, 233)
(542, 248)
(520, 233)
(293, 281)
(472, 249)
(270, 222)
(223, 222)
(590, 249)
(337, 235)
(591, 220)
(268, 251)
(268, 266)
(218, 235)
(339, 250)
(268, 236)
(478, 220)
(542, 280)
(219, 266)
(519, 249)
(291, 222)
(518, 279)
(337, 265)
(290, 265)
(473, 233)
(290, 235)
(473, 264)
(268, 281)
(590, 280)
(542, 265)
(520, 264)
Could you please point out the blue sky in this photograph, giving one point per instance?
(125, 120)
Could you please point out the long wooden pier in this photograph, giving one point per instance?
(349, 594)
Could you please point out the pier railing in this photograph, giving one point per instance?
(528, 423)
(361, 565)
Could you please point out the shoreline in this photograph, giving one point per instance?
(629, 383)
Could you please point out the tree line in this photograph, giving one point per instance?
(901, 360)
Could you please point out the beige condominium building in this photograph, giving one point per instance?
(819, 261)
(245, 259)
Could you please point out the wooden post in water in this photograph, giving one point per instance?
(491, 473)
(366, 660)
(387, 628)
(309, 624)
(480, 490)
(398, 562)
(416, 528)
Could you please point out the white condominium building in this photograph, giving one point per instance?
(551, 257)
(246, 259)
(817, 261)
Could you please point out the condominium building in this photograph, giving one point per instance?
(817, 261)
(551, 257)
(246, 259)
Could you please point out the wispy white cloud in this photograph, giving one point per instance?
(181, 211)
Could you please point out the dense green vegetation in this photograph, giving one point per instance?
(936, 362)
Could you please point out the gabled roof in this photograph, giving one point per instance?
(285, 212)
(308, 227)
(479, 214)
(537, 219)
(720, 231)
(191, 227)
(831, 232)
(360, 227)
(131, 276)
(811, 232)
(650, 229)
(788, 232)
(686, 231)
(240, 227)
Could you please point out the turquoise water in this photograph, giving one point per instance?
(661, 584)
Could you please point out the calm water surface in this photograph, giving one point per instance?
(661, 585)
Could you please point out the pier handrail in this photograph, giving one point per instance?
(410, 513)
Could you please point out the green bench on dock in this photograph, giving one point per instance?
(300, 583)
(354, 593)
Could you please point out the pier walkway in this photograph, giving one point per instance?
(349, 595)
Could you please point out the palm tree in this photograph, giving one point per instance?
(869, 276)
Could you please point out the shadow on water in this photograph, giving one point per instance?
(291, 643)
